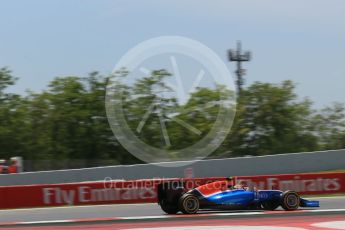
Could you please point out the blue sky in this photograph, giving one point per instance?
(298, 40)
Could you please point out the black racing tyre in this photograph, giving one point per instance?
(167, 207)
(270, 205)
(189, 204)
(290, 200)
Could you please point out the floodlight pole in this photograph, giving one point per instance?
(239, 57)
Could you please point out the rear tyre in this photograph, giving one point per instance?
(189, 204)
(290, 200)
(270, 205)
(167, 207)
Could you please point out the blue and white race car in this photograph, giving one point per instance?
(219, 195)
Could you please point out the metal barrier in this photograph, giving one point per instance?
(261, 165)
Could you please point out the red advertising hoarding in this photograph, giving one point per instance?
(304, 184)
(145, 191)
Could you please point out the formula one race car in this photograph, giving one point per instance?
(173, 197)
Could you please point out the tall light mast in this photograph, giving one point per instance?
(239, 57)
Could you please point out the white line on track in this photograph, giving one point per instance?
(73, 206)
(237, 214)
(47, 222)
(327, 210)
(144, 217)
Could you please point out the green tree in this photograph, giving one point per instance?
(66, 125)
(329, 126)
(12, 127)
(6, 80)
(148, 107)
(270, 120)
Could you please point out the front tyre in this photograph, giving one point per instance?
(290, 200)
(189, 204)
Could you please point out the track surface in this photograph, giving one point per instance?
(250, 223)
(113, 211)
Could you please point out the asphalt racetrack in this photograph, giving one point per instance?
(148, 216)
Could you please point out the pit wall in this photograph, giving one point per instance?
(145, 191)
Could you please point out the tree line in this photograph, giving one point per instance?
(66, 124)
